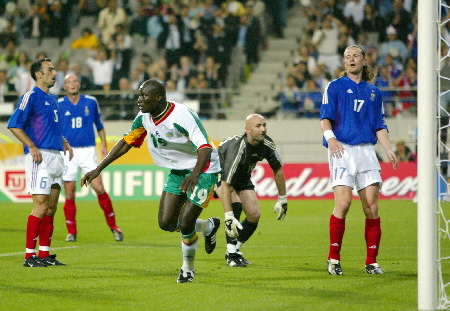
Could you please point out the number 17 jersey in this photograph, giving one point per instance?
(355, 111)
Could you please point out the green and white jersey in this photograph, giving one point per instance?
(174, 139)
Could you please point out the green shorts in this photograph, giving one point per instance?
(201, 193)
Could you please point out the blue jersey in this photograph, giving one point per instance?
(355, 111)
(37, 114)
(78, 120)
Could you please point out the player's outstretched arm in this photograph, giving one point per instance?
(281, 207)
(26, 140)
(117, 151)
(383, 138)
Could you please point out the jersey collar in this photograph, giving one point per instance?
(163, 117)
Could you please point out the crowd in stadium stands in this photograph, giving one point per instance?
(387, 29)
(195, 41)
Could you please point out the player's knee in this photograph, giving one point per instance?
(186, 228)
(253, 215)
(167, 225)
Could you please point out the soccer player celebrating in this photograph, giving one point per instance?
(352, 120)
(79, 113)
(35, 122)
(178, 141)
(238, 158)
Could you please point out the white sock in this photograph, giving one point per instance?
(239, 245)
(188, 252)
(203, 226)
(231, 248)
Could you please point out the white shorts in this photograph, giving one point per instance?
(358, 167)
(40, 177)
(84, 158)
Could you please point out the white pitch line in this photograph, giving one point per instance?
(20, 253)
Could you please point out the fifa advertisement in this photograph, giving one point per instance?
(146, 182)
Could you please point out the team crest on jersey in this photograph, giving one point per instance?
(372, 96)
(86, 111)
(47, 103)
(169, 134)
(67, 113)
(349, 91)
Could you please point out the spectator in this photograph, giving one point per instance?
(85, 81)
(393, 46)
(326, 42)
(400, 19)
(188, 31)
(354, 10)
(108, 18)
(4, 85)
(172, 94)
(88, 40)
(311, 100)
(290, 96)
(200, 48)
(62, 69)
(102, 69)
(408, 98)
(382, 81)
(171, 38)
(403, 152)
(57, 21)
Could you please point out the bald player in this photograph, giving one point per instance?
(79, 113)
(238, 157)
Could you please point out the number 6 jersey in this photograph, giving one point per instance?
(174, 139)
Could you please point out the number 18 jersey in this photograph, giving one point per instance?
(78, 120)
(355, 111)
(174, 139)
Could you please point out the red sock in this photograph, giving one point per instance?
(106, 205)
(70, 211)
(33, 228)
(373, 237)
(337, 229)
(45, 236)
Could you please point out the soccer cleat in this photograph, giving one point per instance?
(243, 259)
(210, 240)
(334, 267)
(34, 262)
(51, 261)
(71, 237)
(374, 268)
(117, 233)
(235, 260)
(185, 276)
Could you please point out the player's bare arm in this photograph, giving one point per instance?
(383, 138)
(26, 140)
(117, 151)
(204, 155)
(67, 148)
(104, 146)
(334, 145)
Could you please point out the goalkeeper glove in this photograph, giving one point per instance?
(232, 225)
(281, 207)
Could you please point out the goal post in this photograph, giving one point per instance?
(427, 112)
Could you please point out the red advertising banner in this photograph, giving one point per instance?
(311, 181)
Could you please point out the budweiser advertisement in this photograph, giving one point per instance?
(311, 181)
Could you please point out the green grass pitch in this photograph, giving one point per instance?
(288, 270)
